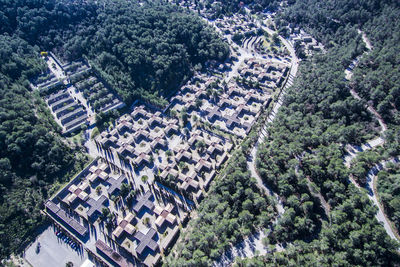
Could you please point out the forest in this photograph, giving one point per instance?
(32, 158)
(234, 208)
(389, 192)
(378, 77)
(144, 51)
(255, 5)
(305, 147)
(228, 7)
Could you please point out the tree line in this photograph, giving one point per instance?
(144, 50)
(305, 147)
(33, 158)
(233, 208)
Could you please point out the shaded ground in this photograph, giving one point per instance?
(249, 247)
(53, 252)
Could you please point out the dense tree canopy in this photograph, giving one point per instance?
(378, 77)
(324, 19)
(146, 50)
(227, 7)
(389, 192)
(305, 146)
(143, 50)
(233, 208)
(31, 156)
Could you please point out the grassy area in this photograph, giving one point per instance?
(76, 139)
(266, 44)
(95, 133)
(82, 160)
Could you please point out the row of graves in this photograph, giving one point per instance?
(268, 74)
(73, 93)
(97, 96)
(47, 80)
(304, 41)
(118, 227)
(185, 161)
(118, 219)
(244, 29)
(67, 112)
(231, 108)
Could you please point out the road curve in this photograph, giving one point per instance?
(253, 243)
(380, 216)
(262, 134)
(354, 150)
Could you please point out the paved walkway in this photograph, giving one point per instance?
(371, 179)
(262, 134)
(253, 243)
(352, 151)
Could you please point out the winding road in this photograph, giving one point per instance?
(261, 137)
(249, 246)
(371, 179)
(253, 243)
(353, 151)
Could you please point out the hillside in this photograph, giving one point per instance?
(32, 158)
(344, 96)
(307, 144)
(143, 51)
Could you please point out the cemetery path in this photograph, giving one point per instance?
(251, 244)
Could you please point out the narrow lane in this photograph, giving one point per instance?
(253, 155)
(249, 245)
(353, 151)
(371, 178)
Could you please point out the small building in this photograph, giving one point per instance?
(78, 192)
(98, 172)
(203, 165)
(169, 170)
(146, 242)
(188, 182)
(125, 225)
(159, 143)
(112, 255)
(164, 215)
(145, 202)
(70, 222)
